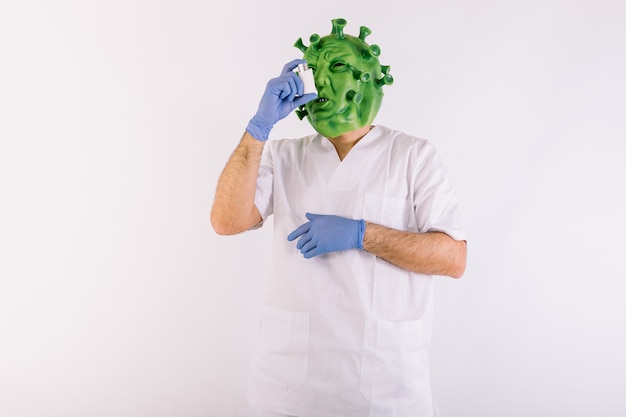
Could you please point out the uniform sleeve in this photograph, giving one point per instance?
(436, 206)
(263, 199)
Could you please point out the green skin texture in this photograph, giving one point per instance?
(336, 69)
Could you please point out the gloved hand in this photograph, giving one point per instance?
(282, 95)
(327, 233)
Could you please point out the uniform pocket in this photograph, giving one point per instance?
(281, 355)
(396, 213)
(395, 360)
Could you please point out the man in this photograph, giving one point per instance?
(364, 216)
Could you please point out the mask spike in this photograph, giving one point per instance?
(316, 45)
(301, 112)
(362, 76)
(300, 45)
(354, 96)
(387, 79)
(372, 52)
(338, 25)
(364, 33)
(385, 68)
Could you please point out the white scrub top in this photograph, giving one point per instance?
(346, 334)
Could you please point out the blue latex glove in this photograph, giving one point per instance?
(327, 233)
(282, 95)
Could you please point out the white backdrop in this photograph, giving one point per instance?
(116, 118)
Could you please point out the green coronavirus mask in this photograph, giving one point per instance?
(349, 81)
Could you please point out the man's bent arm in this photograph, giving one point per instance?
(233, 208)
(432, 253)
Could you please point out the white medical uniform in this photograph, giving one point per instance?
(347, 334)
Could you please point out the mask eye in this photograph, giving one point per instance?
(339, 66)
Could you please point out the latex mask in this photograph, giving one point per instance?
(349, 81)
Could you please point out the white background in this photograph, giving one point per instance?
(116, 118)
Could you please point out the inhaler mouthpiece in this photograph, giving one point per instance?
(306, 75)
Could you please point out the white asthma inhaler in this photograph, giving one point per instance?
(306, 75)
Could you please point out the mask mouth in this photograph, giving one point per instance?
(322, 103)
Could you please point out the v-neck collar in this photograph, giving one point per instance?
(342, 173)
(328, 146)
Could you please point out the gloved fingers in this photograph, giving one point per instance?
(299, 90)
(308, 245)
(283, 88)
(289, 86)
(300, 230)
(295, 86)
(312, 216)
(313, 252)
(306, 238)
(291, 65)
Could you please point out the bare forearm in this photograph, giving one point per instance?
(426, 253)
(233, 208)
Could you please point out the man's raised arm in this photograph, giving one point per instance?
(233, 208)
